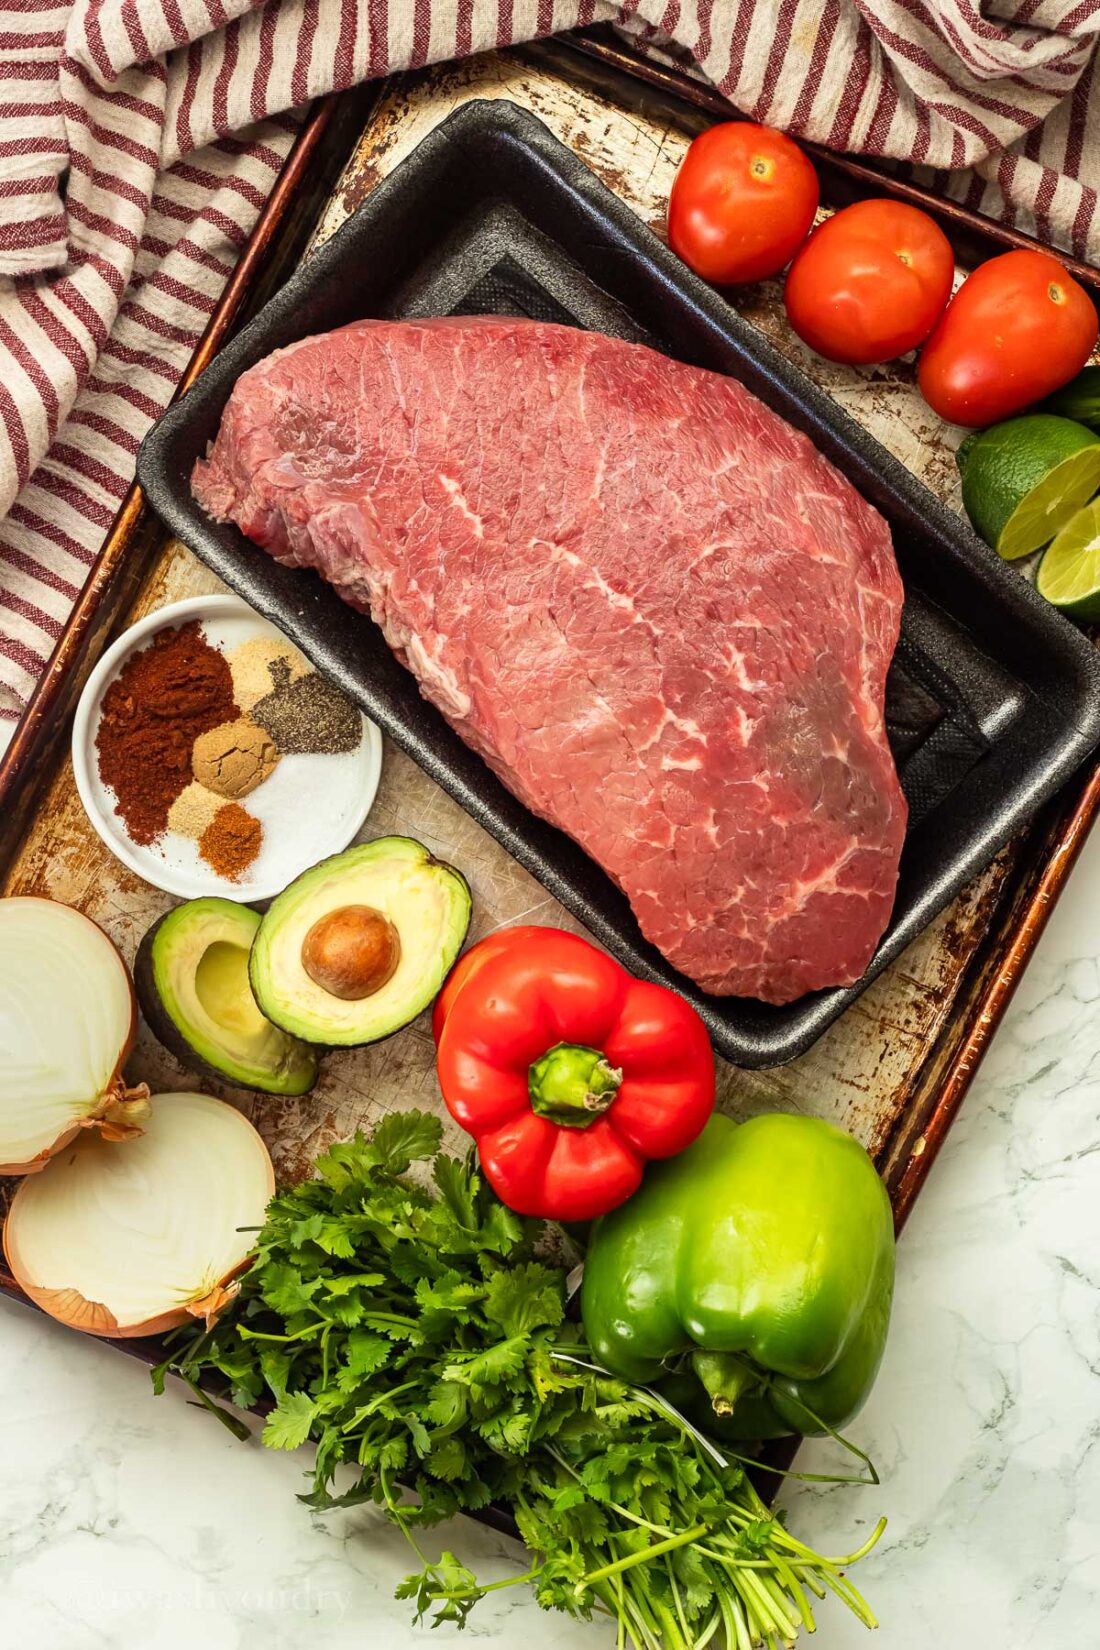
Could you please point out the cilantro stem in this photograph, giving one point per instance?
(676, 1599)
(408, 1379)
(489, 1586)
(193, 1351)
(382, 1399)
(870, 1477)
(733, 1561)
(645, 1627)
(644, 1556)
(787, 1594)
(734, 1622)
(794, 1587)
(239, 1429)
(671, 1638)
(820, 1558)
(298, 1335)
(641, 1606)
(624, 1512)
(709, 1630)
(809, 1576)
(756, 1625)
(621, 1634)
(617, 1605)
(861, 1552)
(770, 1609)
(855, 1601)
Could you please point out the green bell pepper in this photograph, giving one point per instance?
(761, 1262)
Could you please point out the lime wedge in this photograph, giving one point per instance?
(1069, 573)
(1024, 479)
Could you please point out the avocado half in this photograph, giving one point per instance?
(424, 903)
(191, 974)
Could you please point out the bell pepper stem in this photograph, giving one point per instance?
(726, 1378)
(572, 1085)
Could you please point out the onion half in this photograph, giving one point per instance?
(136, 1239)
(67, 1021)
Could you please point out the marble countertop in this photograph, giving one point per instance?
(126, 1521)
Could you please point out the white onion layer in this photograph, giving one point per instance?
(67, 1020)
(132, 1239)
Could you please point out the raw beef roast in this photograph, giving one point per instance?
(655, 610)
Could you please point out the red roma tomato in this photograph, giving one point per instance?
(742, 203)
(870, 283)
(1017, 329)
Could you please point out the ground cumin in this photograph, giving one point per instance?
(161, 700)
(231, 841)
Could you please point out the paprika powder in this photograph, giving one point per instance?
(162, 699)
(231, 841)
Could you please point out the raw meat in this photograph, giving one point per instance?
(658, 613)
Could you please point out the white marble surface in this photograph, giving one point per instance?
(128, 1522)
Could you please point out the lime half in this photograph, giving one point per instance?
(1069, 573)
(1024, 479)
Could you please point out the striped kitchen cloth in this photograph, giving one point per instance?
(139, 139)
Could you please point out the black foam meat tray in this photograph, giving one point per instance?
(993, 698)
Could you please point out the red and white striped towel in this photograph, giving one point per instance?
(139, 139)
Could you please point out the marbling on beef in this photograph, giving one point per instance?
(658, 613)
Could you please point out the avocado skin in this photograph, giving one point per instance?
(324, 1038)
(166, 1031)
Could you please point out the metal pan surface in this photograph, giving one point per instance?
(993, 700)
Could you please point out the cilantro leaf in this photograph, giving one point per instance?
(418, 1432)
(406, 1137)
(334, 1238)
(501, 1231)
(458, 1188)
(289, 1424)
(285, 1290)
(692, 1577)
(353, 1280)
(448, 1585)
(364, 1353)
(496, 1363)
(346, 1162)
(390, 1456)
(447, 1405)
(507, 1433)
(275, 1367)
(415, 1334)
(307, 1230)
(525, 1298)
(447, 1459)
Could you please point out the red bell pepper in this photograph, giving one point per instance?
(471, 962)
(568, 1072)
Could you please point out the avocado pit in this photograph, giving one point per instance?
(351, 952)
(309, 968)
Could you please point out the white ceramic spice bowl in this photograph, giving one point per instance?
(295, 835)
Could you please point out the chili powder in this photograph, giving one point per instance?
(161, 700)
(231, 841)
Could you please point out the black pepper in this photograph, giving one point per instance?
(308, 716)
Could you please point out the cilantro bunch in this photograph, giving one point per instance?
(413, 1331)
